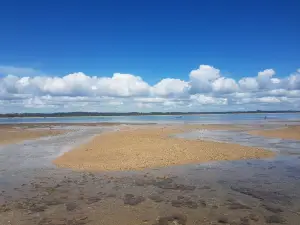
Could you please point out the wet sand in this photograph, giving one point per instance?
(151, 147)
(11, 134)
(190, 127)
(186, 196)
(289, 133)
(41, 125)
(16, 133)
(246, 192)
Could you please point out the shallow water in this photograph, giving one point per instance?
(23, 161)
(239, 192)
(244, 138)
(209, 118)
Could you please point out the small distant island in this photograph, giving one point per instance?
(73, 114)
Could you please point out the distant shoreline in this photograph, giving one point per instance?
(92, 114)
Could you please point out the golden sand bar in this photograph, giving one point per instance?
(289, 132)
(150, 147)
(9, 134)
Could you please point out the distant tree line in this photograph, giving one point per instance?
(69, 114)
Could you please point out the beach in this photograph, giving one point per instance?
(16, 133)
(150, 147)
(12, 134)
(147, 173)
(287, 132)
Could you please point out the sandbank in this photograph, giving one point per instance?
(289, 132)
(10, 135)
(151, 147)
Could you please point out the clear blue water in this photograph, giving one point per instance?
(217, 119)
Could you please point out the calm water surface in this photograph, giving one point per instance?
(216, 119)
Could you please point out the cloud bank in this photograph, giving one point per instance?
(205, 89)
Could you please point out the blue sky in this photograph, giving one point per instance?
(150, 39)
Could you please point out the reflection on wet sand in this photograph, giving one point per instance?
(237, 193)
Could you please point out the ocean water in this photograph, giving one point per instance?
(212, 118)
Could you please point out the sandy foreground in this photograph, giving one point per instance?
(9, 134)
(150, 147)
(289, 132)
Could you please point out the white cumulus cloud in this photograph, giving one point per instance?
(201, 79)
(170, 87)
(23, 89)
(208, 100)
(248, 84)
(224, 85)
